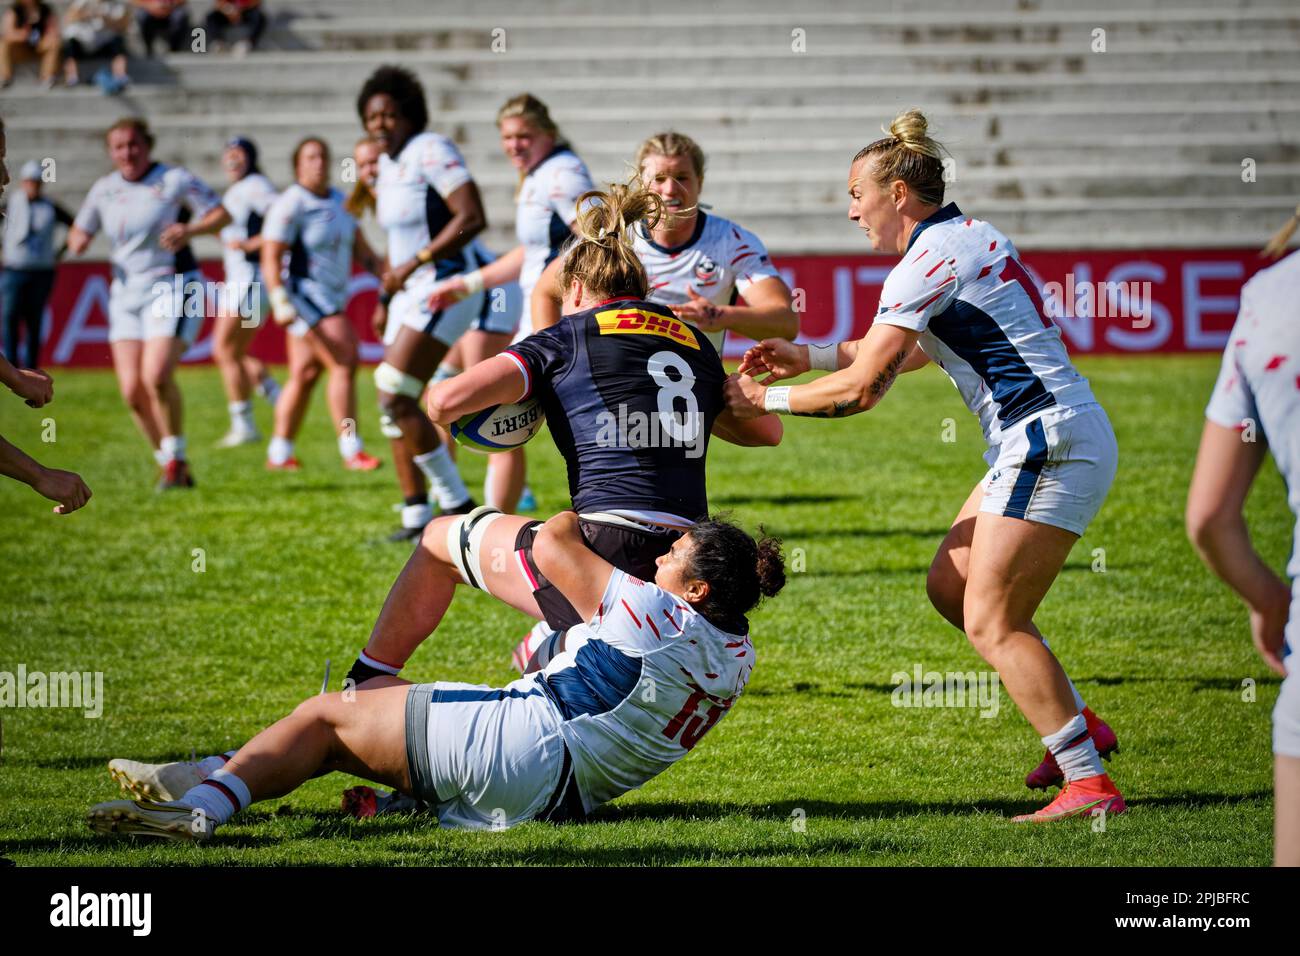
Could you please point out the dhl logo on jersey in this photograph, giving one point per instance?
(642, 322)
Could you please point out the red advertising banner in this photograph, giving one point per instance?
(1103, 301)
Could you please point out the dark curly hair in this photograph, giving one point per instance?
(739, 570)
(405, 89)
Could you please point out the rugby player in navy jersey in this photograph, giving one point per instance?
(631, 393)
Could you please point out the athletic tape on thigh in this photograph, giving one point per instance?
(396, 382)
(464, 538)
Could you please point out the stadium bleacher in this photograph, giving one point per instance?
(1140, 145)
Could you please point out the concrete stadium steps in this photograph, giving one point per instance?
(1051, 140)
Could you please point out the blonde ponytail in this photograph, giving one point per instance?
(603, 259)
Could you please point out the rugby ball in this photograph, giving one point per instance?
(500, 427)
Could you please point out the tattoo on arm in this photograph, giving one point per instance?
(838, 410)
(878, 388)
(889, 373)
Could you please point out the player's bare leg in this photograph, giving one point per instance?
(130, 382)
(1013, 563)
(304, 371)
(239, 372)
(424, 590)
(359, 732)
(158, 363)
(946, 587)
(1286, 803)
(334, 343)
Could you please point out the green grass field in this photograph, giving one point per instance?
(814, 766)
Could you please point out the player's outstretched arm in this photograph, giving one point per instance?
(496, 273)
(63, 487)
(178, 234)
(495, 381)
(880, 357)
(32, 385)
(768, 312)
(565, 560)
(282, 308)
(1225, 469)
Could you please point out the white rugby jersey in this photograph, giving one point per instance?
(134, 214)
(247, 201)
(545, 211)
(640, 684)
(718, 262)
(981, 318)
(1259, 381)
(319, 232)
(410, 202)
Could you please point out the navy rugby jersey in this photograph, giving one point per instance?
(630, 393)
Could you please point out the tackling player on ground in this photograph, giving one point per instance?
(550, 746)
(962, 296)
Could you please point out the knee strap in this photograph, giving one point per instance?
(387, 427)
(396, 382)
(465, 538)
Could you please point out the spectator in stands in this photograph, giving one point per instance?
(29, 257)
(96, 29)
(245, 16)
(163, 18)
(29, 31)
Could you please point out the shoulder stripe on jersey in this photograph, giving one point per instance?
(523, 368)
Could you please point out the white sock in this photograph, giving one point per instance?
(220, 796)
(379, 665)
(241, 416)
(443, 478)
(173, 447)
(1074, 750)
(279, 450)
(349, 444)
(210, 765)
(416, 516)
(1078, 698)
(159, 457)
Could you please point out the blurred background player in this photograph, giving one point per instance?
(636, 491)
(551, 746)
(1255, 408)
(551, 178)
(428, 204)
(962, 294)
(698, 263)
(156, 301)
(244, 304)
(309, 223)
(36, 388)
(29, 261)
